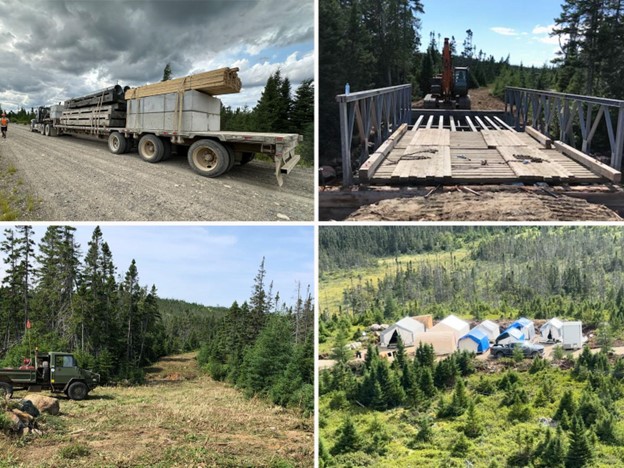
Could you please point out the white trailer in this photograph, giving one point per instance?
(572, 335)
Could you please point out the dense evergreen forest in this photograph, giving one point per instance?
(266, 348)
(541, 272)
(382, 41)
(562, 411)
(278, 110)
(116, 326)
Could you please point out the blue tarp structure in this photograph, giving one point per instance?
(474, 337)
(511, 335)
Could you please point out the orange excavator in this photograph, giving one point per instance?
(450, 89)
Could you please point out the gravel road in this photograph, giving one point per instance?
(80, 180)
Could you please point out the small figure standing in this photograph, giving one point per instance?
(4, 123)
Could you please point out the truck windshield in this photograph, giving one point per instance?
(65, 361)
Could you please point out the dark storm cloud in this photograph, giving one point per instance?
(54, 47)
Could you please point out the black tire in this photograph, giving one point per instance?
(151, 148)
(6, 389)
(47, 130)
(232, 158)
(498, 354)
(117, 143)
(78, 391)
(247, 157)
(208, 158)
(167, 149)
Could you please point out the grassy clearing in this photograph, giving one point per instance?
(180, 418)
(332, 284)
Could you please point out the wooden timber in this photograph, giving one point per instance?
(430, 155)
(540, 137)
(221, 81)
(371, 164)
(596, 166)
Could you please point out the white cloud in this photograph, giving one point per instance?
(504, 31)
(543, 29)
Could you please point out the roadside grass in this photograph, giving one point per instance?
(15, 201)
(186, 421)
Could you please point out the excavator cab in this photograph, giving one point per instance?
(461, 81)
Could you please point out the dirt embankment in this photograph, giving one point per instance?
(80, 180)
(461, 206)
(176, 421)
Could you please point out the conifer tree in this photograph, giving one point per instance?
(580, 453)
(347, 438)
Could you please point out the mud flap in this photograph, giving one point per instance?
(278, 173)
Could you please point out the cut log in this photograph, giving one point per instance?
(592, 164)
(222, 81)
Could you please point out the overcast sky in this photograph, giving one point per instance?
(57, 49)
(210, 265)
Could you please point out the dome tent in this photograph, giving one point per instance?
(552, 330)
(511, 335)
(525, 326)
(491, 329)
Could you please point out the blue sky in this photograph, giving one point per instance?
(210, 265)
(499, 27)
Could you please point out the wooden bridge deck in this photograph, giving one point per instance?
(490, 156)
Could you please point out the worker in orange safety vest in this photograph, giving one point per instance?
(4, 123)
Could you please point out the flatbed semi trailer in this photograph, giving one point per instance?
(187, 122)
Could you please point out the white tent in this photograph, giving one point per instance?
(452, 324)
(491, 329)
(526, 327)
(552, 330)
(407, 328)
(442, 342)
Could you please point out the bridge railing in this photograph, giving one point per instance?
(376, 112)
(545, 106)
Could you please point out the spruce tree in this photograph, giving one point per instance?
(581, 451)
(347, 438)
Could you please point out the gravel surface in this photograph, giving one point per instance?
(80, 180)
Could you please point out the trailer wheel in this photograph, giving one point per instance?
(208, 158)
(167, 148)
(6, 389)
(247, 157)
(117, 143)
(230, 152)
(77, 391)
(47, 130)
(151, 148)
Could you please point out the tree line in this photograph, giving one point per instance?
(278, 110)
(75, 303)
(541, 272)
(266, 348)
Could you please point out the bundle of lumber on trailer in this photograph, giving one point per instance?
(113, 115)
(222, 81)
(114, 94)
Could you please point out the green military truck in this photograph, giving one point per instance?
(56, 372)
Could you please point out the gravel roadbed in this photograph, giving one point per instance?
(80, 180)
